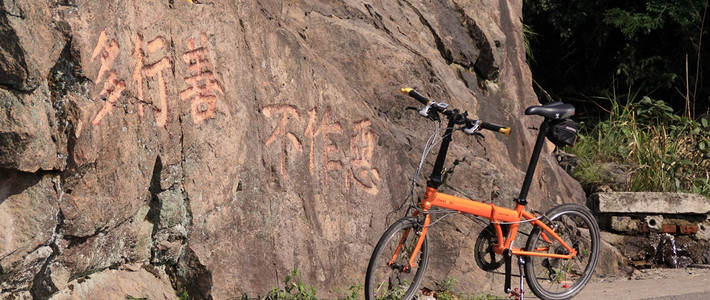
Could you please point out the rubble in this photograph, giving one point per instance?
(654, 228)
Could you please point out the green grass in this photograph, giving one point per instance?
(295, 289)
(662, 150)
(446, 290)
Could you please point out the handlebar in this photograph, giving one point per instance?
(496, 128)
(416, 95)
(454, 113)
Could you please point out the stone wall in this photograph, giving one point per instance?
(221, 144)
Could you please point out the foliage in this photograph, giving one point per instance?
(184, 296)
(294, 288)
(445, 291)
(528, 36)
(588, 47)
(354, 292)
(666, 152)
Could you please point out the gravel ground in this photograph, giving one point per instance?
(685, 283)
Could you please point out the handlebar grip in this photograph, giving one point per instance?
(494, 127)
(416, 95)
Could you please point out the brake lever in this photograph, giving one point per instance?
(473, 129)
(433, 115)
(427, 112)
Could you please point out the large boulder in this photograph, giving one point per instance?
(31, 39)
(230, 142)
(28, 219)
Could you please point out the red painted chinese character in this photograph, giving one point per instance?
(281, 131)
(108, 50)
(160, 109)
(202, 86)
(362, 146)
(322, 130)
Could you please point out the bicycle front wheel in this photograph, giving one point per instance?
(556, 278)
(389, 275)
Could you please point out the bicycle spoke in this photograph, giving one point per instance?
(391, 276)
(559, 278)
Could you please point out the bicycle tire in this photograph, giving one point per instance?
(555, 279)
(384, 281)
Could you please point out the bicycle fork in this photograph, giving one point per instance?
(417, 248)
(420, 241)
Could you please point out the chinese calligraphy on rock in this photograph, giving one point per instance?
(108, 51)
(282, 133)
(321, 130)
(202, 86)
(357, 169)
(160, 111)
(362, 146)
(152, 65)
(153, 62)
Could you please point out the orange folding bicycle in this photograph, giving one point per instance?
(562, 248)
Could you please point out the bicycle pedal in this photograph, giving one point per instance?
(516, 294)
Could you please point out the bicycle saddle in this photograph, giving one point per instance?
(553, 110)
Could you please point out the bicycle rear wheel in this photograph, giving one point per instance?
(553, 278)
(388, 274)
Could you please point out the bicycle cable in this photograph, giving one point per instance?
(430, 144)
(432, 141)
(522, 221)
(427, 148)
(448, 213)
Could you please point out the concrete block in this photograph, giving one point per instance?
(649, 203)
(624, 224)
(704, 230)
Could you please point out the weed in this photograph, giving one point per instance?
(445, 291)
(354, 292)
(294, 288)
(663, 151)
(184, 296)
(396, 293)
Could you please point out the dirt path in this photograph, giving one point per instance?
(689, 283)
(649, 284)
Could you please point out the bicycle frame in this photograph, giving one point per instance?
(496, 214)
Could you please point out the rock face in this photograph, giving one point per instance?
(230, 142)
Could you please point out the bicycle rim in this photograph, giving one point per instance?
(388, 276)
(551, 278)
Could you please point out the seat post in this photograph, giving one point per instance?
(544, 127)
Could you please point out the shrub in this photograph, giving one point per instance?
(665, 151)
